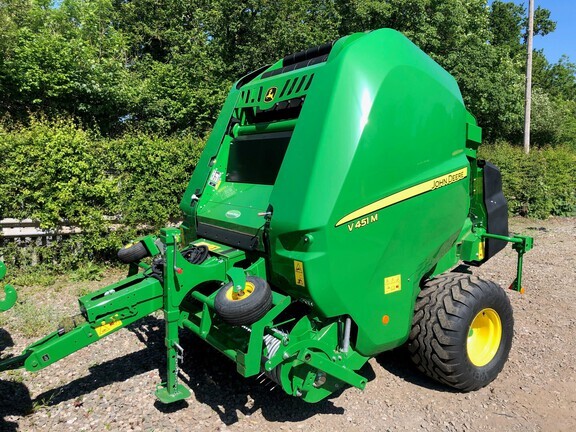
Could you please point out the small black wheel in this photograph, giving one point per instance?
(462, 331)
(132, 252)
(247, 306)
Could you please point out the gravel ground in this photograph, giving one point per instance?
(109, 385)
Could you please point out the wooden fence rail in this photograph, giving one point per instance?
(27, 234)
(27, 228)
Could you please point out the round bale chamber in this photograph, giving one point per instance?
(373, 189)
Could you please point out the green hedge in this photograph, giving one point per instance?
(57, 171)
(537, 185)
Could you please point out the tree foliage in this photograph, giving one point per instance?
(166, 65)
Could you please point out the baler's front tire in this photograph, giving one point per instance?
(462, 331)
(247, 307)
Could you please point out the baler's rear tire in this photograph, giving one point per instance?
(247, 307)
(133, 252)
(462, 331)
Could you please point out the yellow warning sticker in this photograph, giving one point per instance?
(392, 284)
(211, 247)
(299, 273)
(107, 327)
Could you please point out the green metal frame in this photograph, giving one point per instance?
(10, 293)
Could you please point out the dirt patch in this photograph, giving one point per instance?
(110, 385)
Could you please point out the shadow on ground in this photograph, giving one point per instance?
(211, 377)
(5, 340)
(398, 363)
(214, 381)
(14, 396)
(14, 401)
(150, 331)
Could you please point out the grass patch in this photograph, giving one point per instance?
(34, 276)
(34, 320)
(3, 319)
(45, 402)
(83, 290)
(15, 375)
(87, 272)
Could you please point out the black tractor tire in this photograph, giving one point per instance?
(246, 309)
(443, 343)
(133, 252)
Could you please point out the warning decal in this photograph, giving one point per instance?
(107, 327)
(481, 249)
(392, 284)
(211, 247)
(299, 273)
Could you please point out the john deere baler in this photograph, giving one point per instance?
(337, 191)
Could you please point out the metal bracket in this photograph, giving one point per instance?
(521, 244)
(238, 278)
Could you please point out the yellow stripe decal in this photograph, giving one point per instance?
(405, 194)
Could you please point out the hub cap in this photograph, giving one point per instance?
(241, 295)
(484, 337)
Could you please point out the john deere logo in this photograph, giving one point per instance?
(270, 94)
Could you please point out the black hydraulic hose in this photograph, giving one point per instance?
(196, 254)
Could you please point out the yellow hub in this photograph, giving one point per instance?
(240, 295)
(484, 337)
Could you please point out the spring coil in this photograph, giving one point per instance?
(272, 345)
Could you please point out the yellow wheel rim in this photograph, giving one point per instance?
(484, 337)
(241, 295)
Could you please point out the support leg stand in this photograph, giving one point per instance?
(171, 390)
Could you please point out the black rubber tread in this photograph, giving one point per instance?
(246, 311)
(133, 253)
(443, 313)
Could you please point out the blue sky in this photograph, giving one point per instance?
(563, 39)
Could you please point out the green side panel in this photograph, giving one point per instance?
(10, 295)
(473, 133)
(383, 117)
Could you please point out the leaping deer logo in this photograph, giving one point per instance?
(270, 94)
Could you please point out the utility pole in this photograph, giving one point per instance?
(528, 103)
